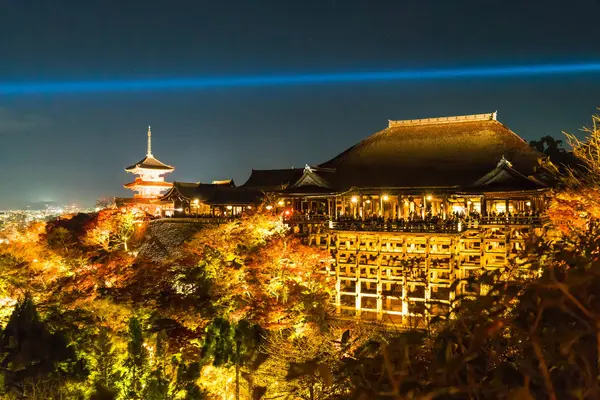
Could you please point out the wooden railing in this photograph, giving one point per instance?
(425, 226)
(510, 220)
(193, 219)
(378, 226)
(306, 219)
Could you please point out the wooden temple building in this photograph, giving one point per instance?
(405, 212)
(215, 199)
(149, 183)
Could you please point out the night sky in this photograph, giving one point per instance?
(73, 147)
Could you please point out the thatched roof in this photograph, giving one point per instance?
(452, 151)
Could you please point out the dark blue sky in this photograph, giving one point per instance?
(73, 147)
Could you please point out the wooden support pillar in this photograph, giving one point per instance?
(379, 284)
(483, 206)
(358, 299)
(361, 207)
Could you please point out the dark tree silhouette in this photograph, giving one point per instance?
(136, 360)
(33, 358)
(232, 344)
(553, 148)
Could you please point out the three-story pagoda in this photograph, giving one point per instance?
(149, 183)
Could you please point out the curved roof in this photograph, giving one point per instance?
(213, 194)
(149, 162)
(140, 183)
(273, 179)
(505, 177)
(452, 151)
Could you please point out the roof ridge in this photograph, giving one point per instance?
(444, 120)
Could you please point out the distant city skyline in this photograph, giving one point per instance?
(73, 147)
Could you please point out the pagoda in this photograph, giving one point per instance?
(149, 183)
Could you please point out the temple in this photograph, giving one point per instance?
(219, 198)
(149, 183)
(405, 213)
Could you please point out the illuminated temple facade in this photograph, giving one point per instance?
(148, 184)
(405, 212)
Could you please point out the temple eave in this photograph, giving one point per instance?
(148, 185)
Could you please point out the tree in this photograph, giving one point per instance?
(99, 236)
(32, 358)
(136, 363)
(59, 236)
(111, 229)
(552, 147)
(236, 344)
(105, 368)
(588, 151)
(124, 228)
(171, 377)
(105, 202)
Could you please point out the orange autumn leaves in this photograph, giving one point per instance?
(262, 274)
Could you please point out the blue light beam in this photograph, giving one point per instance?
(132, 85)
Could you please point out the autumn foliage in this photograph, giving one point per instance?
(88, 282)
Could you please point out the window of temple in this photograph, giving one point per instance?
(458, 208)
(499, 207)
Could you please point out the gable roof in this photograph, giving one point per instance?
(213, 194)
(182, 189)
(433, 152)
(505, 177)
(273, 179)
(314, 180)
(149, 162)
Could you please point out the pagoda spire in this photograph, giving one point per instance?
(149, 142)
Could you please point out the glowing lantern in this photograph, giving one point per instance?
(269, 207)
(354, 199)
(280, 203)
(385, 197)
